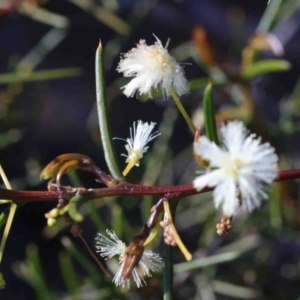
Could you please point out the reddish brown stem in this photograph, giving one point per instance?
(288, 174)
(122, 188)
(90, 251)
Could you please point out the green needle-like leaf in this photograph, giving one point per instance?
(209, 114)
(265, 66)
(269, 15)
(33, 273)
(9, 78)
(69, 275)
(106, 138)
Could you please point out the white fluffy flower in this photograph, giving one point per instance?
(140, 136)
(109, 247)
(241, 166)
(152, 67)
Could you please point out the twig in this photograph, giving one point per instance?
(123, 188)
(94, 256)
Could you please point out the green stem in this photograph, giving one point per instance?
(108, 147)
(168, 271)
(183, 111)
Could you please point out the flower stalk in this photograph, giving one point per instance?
(129, 166)
(183, 111)
(188, 256)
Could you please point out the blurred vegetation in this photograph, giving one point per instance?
(259, 259)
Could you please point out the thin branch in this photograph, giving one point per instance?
(90, 251)
(122, 188)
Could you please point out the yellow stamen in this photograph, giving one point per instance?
(233, 167)
(188, 256)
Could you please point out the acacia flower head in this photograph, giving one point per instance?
(240, 170)
(140, 135)
(152, 67)
(144, 261)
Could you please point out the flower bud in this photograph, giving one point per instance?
(54, 213)
(51, 222)
(133, 254)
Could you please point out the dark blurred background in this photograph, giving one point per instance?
(45, 117)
